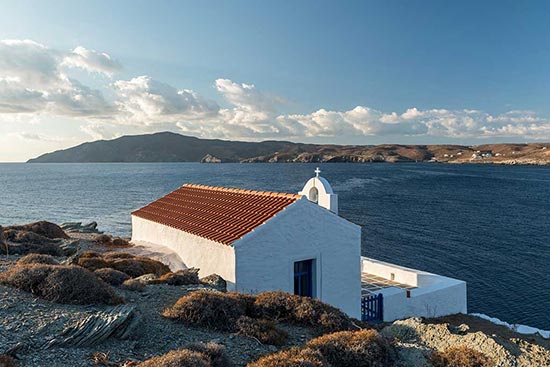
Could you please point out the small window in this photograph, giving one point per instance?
(392, 276)
(314, 195)
(303, 278)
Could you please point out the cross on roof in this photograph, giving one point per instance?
(317, 171)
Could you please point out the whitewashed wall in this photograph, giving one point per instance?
(266, 256)
(209, 256)
(435, 296)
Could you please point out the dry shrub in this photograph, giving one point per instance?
(37, 259)
(364, 348)
(294, 357)
(43, 228)
(266, 331)
(180, 277)
(138, 266)
(121, 242)
(213, 310)
(178, 358)
(301, 310)
(103, 239)
(61, 284)
(117, 255)
(134, 266)
(90, 254)
(133, 285)
(111, 276)
(460, 356)
(7, 361)
(92, 263)
(214, 351)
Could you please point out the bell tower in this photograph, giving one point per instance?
(319, 191)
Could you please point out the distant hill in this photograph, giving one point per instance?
(171, 147)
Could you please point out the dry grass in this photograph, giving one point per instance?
(265, 331)
(7, 361)
(180, 277)
(111, 276)
(133, 285)
(134, 266)
(214, 351)
(294, 357)
(43, 228)
(61, 284)
(138, 266)
(117, 255)
(302, 310)
(213, 310)
(37, 259)
(364, 348)
(460, 356)
(92, 263)
(178, 358)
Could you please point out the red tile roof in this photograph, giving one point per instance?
(217, 213)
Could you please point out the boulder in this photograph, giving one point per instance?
(215, 281)
(210, 159)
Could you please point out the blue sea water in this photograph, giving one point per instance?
(488, 225)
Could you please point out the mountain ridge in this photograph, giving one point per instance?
(172, 147)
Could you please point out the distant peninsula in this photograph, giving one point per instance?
(172, 147)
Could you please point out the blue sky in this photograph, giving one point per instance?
(419, 71)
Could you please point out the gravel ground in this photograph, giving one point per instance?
(27, 320)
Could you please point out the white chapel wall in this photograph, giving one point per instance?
(209, 256)
(265, 257)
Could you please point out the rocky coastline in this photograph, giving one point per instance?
(37, 331)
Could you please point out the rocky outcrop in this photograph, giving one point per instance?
(210, 159)
(79, 228)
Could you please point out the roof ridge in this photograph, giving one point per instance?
(243, 191)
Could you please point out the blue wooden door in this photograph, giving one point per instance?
(303, 278)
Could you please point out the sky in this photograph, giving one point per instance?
(345, 72)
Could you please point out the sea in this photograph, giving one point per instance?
(488, 225)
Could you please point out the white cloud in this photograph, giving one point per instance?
(147, 101)
(93, 61)
(32, 80)
(35, 81)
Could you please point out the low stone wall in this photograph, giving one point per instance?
(434, 296)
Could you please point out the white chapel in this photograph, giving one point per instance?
(296, 243)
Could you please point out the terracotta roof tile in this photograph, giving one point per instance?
(217, 213)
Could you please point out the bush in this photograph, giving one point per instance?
(216, 353)
(111, 276)
(134, 266)
(7, 361)
(178, 358)
(294, 357)
(364, 348)
(92, 263)
(266, 331)
(133, 285)
(213, 310)
(180, 277)
(117, 255)
(61, 284)
(90, 254)
(301, 310)
(138, 266)
(103, 239)
(37, 259)
(43, 228)
(460, 356)
(120, 242)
